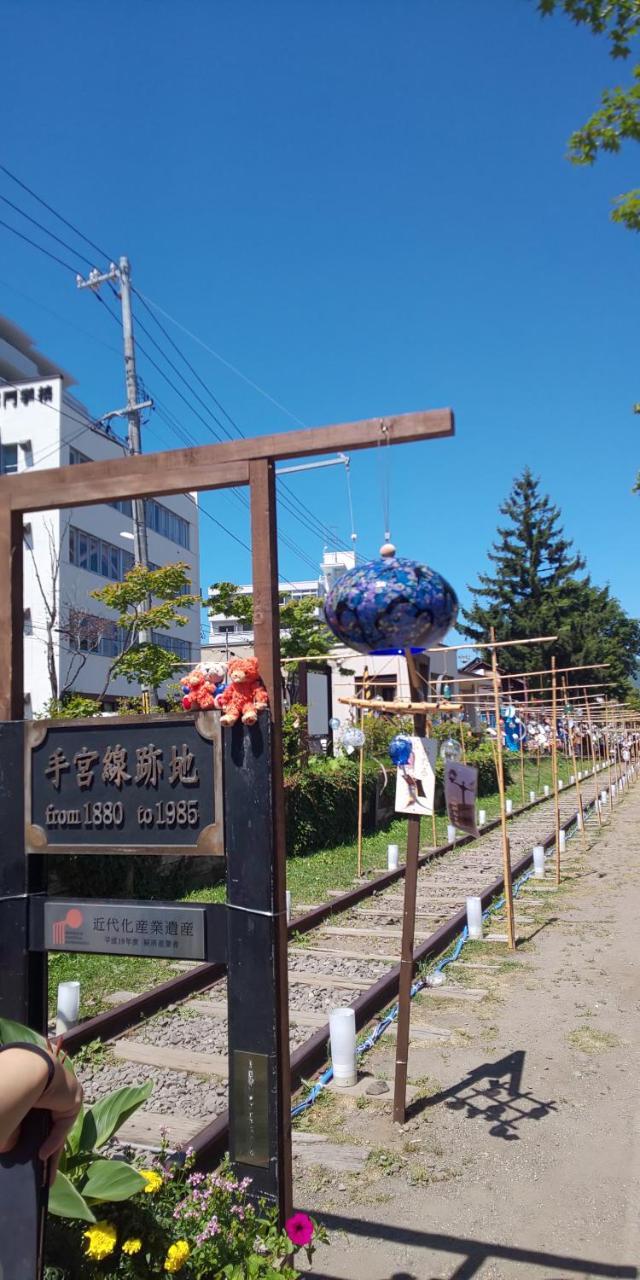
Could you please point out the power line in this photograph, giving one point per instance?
(54, 257)
(46, 230)
(103, 254)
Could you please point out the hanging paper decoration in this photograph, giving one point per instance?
(451, 750)
(416, 780)
(400, 748)
(390, 604)
(460, 791)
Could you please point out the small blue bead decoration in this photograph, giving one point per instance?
(400, 749)
(390, 604)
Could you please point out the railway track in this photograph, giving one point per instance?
(342, 952)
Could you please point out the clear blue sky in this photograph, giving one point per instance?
(365, 206)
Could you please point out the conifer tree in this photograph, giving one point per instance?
(540, 588)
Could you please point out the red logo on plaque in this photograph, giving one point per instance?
(73, 920)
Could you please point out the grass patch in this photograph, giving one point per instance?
(100, 975)
(588, 1040)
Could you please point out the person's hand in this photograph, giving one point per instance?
(63, 1099)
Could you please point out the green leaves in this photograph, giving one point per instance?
(104, 1118)
(111, 1180)
(66, 1202)
(16, 1033)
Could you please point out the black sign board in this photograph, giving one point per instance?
(125, 785)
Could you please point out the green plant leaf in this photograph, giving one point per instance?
(66, 1202)
(73, 1137)
(16, 1033)
(112, 1180)
(104, 1118)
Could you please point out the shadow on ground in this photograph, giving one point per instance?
(492, 1092)
(473, 1253)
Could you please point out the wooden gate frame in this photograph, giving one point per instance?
(206, 467)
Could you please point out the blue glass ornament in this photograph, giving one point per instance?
(352, 738)
(451, 750)
(334, 723)
(390, 604)
(400, 748)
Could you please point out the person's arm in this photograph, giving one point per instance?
(36, 1078)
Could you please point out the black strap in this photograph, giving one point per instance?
(42, 1053)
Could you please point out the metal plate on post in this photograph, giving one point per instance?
(168, 930)
(250, 1103)
(125, 785)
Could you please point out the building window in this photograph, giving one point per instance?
(377, 687)
(225, 627)
(8, 459)
(76, 457)
(98, 556)
(167, 522)
(181, 648)
(90, 634)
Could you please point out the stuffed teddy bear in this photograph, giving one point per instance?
(202, 684)
(245, 693)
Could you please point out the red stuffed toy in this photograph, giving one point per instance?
(201, 685)
(245, 694)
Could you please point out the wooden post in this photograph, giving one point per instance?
(506, 851)
(522, 750)
(266, 626)
(360, 798)
(554, 762)
(608, 740)
(11, 615)
(408, 930)
(593, 759)
(575, 768)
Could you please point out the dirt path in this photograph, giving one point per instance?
(521, 1155)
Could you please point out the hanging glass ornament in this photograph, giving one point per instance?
(446, 691)
(334, 723)
(390, 604)
(352, 738)
(400, 748)
(451, 750)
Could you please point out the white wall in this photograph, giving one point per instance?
(44, 432)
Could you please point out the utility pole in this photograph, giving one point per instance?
(122, 274)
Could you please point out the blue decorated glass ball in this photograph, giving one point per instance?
(400, 749)
(390, 604)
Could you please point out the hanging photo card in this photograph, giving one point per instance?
(416, 780)
(460, 791)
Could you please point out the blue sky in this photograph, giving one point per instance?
(364, 205)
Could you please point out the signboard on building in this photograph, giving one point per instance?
(125, 785)
(165, 930)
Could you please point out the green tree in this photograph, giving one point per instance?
(302, 631)
(617, 120)
(536, 591)
(147, 600)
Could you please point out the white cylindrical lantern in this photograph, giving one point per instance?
(571, 780)
(563, 841)
(538, 861)
(508, 807)
(532, 796)
(451, 834)
(603, 797)
(579, 777)
(288, 897)
(579, 822)
(474, 917)
(482, 818)
(560, 784)
(342, 1029)
(393, 853)
(68, 1006)
(546, 789)
(613, 790)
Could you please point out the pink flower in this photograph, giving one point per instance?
(299, 1229)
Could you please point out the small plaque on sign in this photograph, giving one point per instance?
(170, 931)
(250, 1108)
(125, 785)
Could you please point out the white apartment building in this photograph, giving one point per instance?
(72, 552)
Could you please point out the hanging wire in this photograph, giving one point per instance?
(384, 476)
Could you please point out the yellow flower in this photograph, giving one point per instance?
(177, 1256)
(152, 1179)
(132, 1246)
(102, 1240)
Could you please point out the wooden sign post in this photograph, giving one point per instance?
(506, 848)
(554, 762)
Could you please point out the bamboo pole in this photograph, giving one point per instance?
(607, 739)
(521, 735)
(575, 767)
(506, 851)
(593, 761)
(360, 797)
(554, 762)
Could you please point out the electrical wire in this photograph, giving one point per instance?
(46, 230)
(76, 231)
(54, 257)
